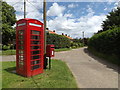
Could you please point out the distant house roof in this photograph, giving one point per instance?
(53, 32)
(68, 37)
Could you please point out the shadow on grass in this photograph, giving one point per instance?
(11, 70)
(116, 68)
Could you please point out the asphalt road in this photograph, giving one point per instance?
(90, 71)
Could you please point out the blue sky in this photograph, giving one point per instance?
(70, 18)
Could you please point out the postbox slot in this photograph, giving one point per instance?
(35, 47)
(52, 47)
(35, 52)
(35, 67)
(35, 32)
(35, 57)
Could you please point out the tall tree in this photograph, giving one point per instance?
(113, 20)
(8, 20)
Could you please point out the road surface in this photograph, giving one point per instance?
(90, 71)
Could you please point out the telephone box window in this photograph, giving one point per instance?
(20, 57)
(35, 42)
(35, 52)
(36, 32)
(20, 52)
(35, 47)
(35, 62)
(35, 67)
(20, 37)
(21, 62)
(21, 32)
(20, 47)
(20, 42)
(35, 57)
(35, 37)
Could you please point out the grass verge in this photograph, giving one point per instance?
(8, 52)
(110, 58)
(13, 52)
(62, 49)
(58, 77)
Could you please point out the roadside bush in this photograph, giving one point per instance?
(76, 45)
(59, 41)
(6, 47)
(107, 42)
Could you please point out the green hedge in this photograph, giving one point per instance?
(58, 40)
(107, 42)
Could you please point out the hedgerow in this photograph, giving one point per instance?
(107, 42)
(58, 40)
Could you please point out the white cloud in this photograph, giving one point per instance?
(32, 8)
(105, 9)
(63, 23)
(74, 27)
(55, 10)
(117, 4)
(90, 11)
(72, 5)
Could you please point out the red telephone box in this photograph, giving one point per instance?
(29, 47)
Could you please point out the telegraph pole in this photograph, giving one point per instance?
(44, 17)
(83, 37)
(24, 9)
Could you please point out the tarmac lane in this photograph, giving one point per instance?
(90, 71)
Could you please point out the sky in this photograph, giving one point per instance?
(70, 17)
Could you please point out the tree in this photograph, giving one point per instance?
(8, 20)
(112, 21)
(8, 14)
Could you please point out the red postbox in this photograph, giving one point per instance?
(50, 50)
(29, 47)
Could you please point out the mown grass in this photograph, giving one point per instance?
(62, 49)
(8, 52)
(58, 77)
(13, 52)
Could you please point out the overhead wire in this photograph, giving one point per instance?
(38, 9)
(16, 3)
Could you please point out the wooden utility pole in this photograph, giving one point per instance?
(24, 9)
(44, 17)
(83, 37)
